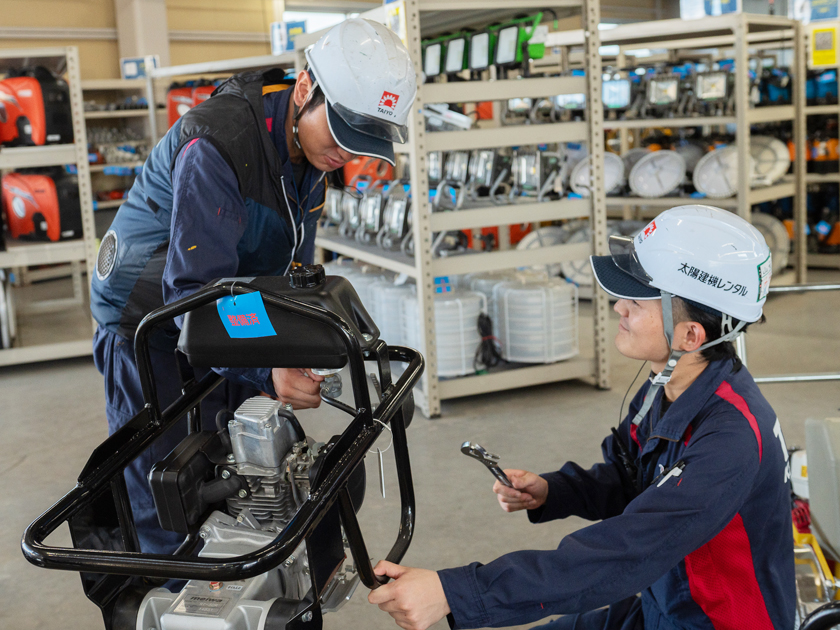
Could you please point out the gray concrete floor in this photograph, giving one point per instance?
(52, 418)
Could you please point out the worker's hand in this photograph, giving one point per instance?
(297, 386)
(528, 493)
(415, 599)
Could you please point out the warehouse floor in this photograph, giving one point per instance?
(52, 417)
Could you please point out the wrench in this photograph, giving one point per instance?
(471, 449)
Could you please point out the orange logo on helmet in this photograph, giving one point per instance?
(389, 100)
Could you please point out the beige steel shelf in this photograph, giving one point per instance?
(780, 190)
(473, 91)
(65, 61)
(509, 259)
(776, 113)
(823, 178)
(227, 66)
(729, 203)
(735, 36)
(429, 17)
(813, 259)
(19, 254)
(516, 377)
(647, 123)
(31, 157)
(110, 203)
(510, 214)
(371, 254)
(92, 85)
(511, 136)
(98, 168)
(117, 113)
(813, 110)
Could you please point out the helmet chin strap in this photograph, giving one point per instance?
(661, 379)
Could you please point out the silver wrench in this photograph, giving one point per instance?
(471, 449)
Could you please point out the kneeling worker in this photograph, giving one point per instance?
(692, 498)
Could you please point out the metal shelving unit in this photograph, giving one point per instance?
(63, 60)
(737, 34)
(226, 67)
(117, 113)
(816, 259)
(118, 88)
(428, 17)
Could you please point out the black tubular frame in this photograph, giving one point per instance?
(103, 471)
(823, 618)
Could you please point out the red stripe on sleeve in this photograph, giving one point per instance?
(721, 576)
(726, 392)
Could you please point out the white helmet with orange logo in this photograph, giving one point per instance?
(700, 253)
(369, 83)
(707, 256)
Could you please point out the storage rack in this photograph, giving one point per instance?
(740, 33)
(112, 89)
(817, 259)
(424, 268)
(20, 255)
(157, 79)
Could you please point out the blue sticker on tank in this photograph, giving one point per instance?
(244, 316)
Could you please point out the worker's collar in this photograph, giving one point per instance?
(276, 105)
(684, 409)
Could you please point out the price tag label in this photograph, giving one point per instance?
(244, 316)
(823, 46)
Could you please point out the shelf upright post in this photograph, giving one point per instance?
(800, 164)
(150, 97)
(742, 111)
(421, 221)
(82, 163)
(591, 19)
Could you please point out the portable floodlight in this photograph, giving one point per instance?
(616, 93)
(663, 91)
(513, 40)
(711, 86)
(433, 53)
(507, 45)
(456, 54)
(570, 101)
(482, 50)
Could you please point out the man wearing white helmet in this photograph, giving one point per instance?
(693, 500)
(235, 189)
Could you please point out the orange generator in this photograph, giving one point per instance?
(39, 209)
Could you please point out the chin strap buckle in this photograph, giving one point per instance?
(660, 379)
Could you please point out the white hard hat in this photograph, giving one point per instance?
(702, 254)
(369, 83)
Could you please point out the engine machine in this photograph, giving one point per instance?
(34, 108)
(40, 207)
(271, 539)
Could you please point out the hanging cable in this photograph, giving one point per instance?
(623, 400)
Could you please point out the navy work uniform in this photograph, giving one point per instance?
(218, 197)
(703, 532)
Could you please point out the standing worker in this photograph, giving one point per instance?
(235, 189)
(693, 497)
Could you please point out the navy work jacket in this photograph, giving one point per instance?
(186, 222)
(708, 548)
